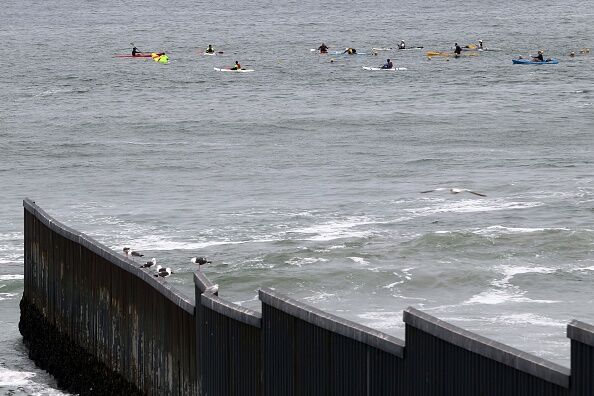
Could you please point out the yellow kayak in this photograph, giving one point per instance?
(449, 53)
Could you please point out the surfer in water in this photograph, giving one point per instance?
(350, 51)
(388, 64)
(237, 66)
(402, 45)
(323, 49)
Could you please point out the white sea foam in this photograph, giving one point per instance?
(359, 260)
(23, 380)
(498, 230)
(7, 296)
(157, 243)
(300, 261)
(11, 277)
(504, 292)
(471, 206)
(336, 230)
(404, 276)
(322, 296)
(14, 378)
(528, 318)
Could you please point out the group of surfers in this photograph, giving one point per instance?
(161, 57)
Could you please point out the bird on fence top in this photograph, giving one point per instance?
(214, 289)
(150, 263)
(126, 250)
(136, 254)
(200, 261)
(454, 190)
(164, 272)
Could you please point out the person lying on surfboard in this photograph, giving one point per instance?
(236, 67)
(350, 51)
(387, 65)
(210, 50)
(323, 49)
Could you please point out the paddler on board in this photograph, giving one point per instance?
(323, 49)
(350, 51)
(457, 50)
(237, 66)
(135, 51)
(402, 45)
(539, 57)
(209, 50)
(387, 65)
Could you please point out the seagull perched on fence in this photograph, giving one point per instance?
(214, 289)
(200, 261)
(126, 250)
(454, 190)
(164, 272)
(136, 254)
(150, 263)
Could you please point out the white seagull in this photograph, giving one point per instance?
(454, 191)
(200, 261)
(164, 272)
(149, 263)
(214, 289)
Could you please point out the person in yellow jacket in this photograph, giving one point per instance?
(160, 57)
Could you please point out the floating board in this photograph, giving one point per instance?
(346, 53)
(531, 62)
(379, 68)
(447, 53)
(234, 71)
(132, 56)
(396, 48)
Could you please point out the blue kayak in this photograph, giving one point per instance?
(531, 62)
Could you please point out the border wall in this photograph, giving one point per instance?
(102, 325)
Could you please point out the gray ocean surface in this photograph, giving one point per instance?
(305, 175)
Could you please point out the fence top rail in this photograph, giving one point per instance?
(201, 281)
(106, 253)
(488, 348)
(333, 323)
(232, 311)
(580, 331)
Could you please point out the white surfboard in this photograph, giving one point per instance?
(380, 69)
(234, 71)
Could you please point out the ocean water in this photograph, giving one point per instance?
(305, 175)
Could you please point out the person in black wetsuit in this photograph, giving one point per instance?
(323, 49)
(458, 50)
(350, 51)
(402, 45)
(538, 58)
(135, 51)
(388, 65)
